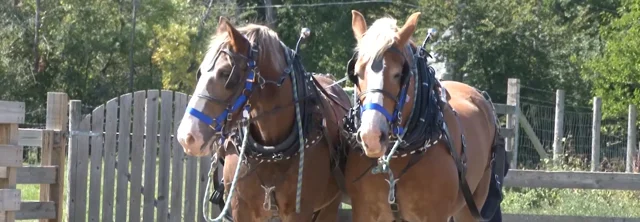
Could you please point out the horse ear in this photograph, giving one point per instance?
(405, 33)
(222, 25)
(237, 41)
(358, 24)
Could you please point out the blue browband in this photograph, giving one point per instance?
(218, 122)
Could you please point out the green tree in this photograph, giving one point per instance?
(616, 72)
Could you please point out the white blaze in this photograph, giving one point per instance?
(189, 124)
(371, 118)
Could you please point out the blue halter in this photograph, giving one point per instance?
(220, 121)
(392, 119)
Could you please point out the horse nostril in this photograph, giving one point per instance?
(190, 139)
(358, 137)
(383, 137)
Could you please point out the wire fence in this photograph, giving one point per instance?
(538, 107)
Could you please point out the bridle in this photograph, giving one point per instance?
(393, 119)
(233, 105)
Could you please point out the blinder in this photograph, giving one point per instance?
(351, 65)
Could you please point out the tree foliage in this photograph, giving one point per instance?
(82, 48)
(615, 73)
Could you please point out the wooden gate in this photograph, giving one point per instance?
(126, 165)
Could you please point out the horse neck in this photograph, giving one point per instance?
(276, 125)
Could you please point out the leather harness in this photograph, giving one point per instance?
(426, 125)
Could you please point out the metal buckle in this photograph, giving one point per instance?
(392, 189)
(229, 116)
(394, 207)
(261, 81)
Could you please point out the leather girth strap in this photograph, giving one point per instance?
(461, 164)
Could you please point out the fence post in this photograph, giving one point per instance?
(595, 134)
(558, 131)
(57, 119)
(75, 117)
(631, 137)
(513, 99)
(11, 114)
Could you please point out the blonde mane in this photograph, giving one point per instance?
(268, 44)
(378, 38)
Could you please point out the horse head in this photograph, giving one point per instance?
(239, 76)
(381, 72)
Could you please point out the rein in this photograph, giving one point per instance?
(294, 102)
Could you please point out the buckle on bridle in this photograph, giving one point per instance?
(229, 116)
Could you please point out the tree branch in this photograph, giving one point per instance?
(205, 16)
(131, 47)
(36, 56)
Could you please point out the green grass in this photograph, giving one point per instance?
(574, 202)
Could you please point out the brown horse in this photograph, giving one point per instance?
(443, 134)
(248, 77)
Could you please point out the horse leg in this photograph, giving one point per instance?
(479, 196)
(330, 212)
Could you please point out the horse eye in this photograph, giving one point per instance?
(224, 74)
(397, 75)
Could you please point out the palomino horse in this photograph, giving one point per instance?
(249, 77)
(432, 173)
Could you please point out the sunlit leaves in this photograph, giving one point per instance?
(173, 56)
(616, 72)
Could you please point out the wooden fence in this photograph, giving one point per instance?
(50, 173)
(125, 165)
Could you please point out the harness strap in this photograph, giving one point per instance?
(499, 156)
(462, 170)
(335, 157)
(335, 165)
(395, 211)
